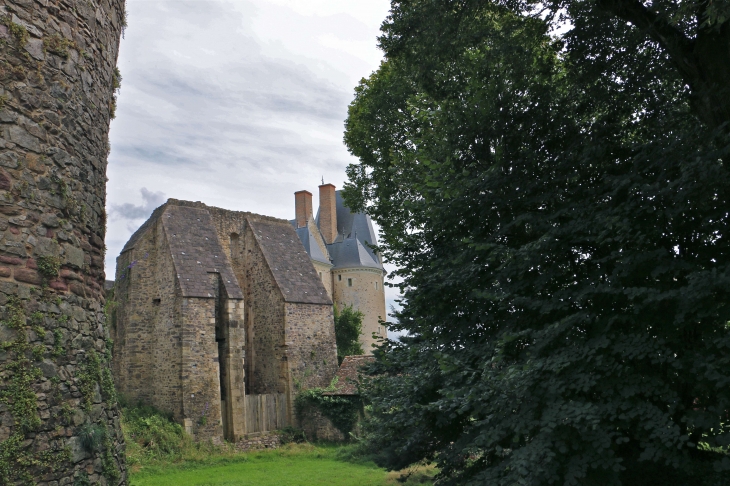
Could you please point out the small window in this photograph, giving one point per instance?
(376, 285)
(320, 274)
(156, 301)
(349, 282)
(339, 278)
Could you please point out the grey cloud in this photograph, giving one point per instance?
(202, 115)
(207, 112)
(151, 200)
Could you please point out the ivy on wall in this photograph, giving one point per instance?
(20, 376)
(342, 410)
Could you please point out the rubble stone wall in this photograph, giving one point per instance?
(200, 377)
(147, 331)
(266, 370)
(57, 79)
(311, 349)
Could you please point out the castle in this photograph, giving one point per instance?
(339, 245)
(224, 315)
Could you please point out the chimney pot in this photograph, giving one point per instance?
(303, 207)
(328, 212)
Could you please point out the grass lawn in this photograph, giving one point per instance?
(293, 464)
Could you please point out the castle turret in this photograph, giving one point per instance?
(354, 270)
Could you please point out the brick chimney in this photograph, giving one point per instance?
(303, 206)
(328, 212)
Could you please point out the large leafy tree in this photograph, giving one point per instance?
(558, 209)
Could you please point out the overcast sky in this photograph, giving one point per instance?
(237, 104)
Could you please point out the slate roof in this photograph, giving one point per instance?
(310, 244)
(348, 376)
(196, 252)
(354, 231)
(351, 253)
(289, 262)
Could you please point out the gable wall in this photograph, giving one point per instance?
(147, 335)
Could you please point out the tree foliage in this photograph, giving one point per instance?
(348, 327)
(557, 207)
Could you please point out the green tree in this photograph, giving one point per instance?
(348, 327)
(559, 217)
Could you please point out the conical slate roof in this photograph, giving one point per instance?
(355, 234)
(351, 253)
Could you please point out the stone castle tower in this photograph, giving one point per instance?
(338, 243)
(57, 82)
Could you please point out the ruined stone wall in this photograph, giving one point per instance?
(57, 62)
(231, 340)
(147, 331)
(311, 348)
(366, 295)
(200, 376)
(266, 369)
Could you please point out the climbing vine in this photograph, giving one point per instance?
(19, 374)
(108, 465)
(342, 411)
(88, 374)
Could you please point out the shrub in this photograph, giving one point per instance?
(291, 435)
(342, 411)
(152, 435)
(92, 436)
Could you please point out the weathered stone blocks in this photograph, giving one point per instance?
(54, 120)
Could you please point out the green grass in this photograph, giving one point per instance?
(160, 453)
(292, 464)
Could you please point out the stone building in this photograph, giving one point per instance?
(339, 245)
(57, 82)
(217, 310)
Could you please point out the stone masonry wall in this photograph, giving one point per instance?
(231, 340)
(325, 273)
(311, 348)
(147, 333)
(266, 368)
(200, 376)
(171, 349)
(57, 60)
(366, 294)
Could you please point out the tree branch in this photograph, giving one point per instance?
(678, 46)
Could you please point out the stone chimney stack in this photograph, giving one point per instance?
(328, 212)
(303, 206)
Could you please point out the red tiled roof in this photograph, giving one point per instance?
(348, 376)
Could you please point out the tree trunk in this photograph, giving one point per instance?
(57, 66)
(711, 86)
